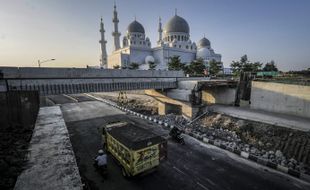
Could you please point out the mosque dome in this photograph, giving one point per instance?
(177, 24)
(135, 26)
(204, 42)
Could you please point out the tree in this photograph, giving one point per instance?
(196, 67)
(271, 66)
(152, 65)
(116, 67)
(244, 65)
(175, 63)
(134, 66)
(214, 67)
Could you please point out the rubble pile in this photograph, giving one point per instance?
(173, 120)
(136, 102)
(287, 147)
(145, 108)
(13, 149)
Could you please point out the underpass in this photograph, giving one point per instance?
(193, 166)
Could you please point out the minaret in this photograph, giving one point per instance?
(116, 34)
(160, 31)
(103, 59)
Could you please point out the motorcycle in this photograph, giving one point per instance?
(176, 135)
(103, 170)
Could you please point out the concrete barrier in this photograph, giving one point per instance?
(244, 154)
(206, 140)
(50, 81)
(217, 143)
(52, 163)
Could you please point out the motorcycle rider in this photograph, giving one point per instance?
(101, 160)
(176, 134)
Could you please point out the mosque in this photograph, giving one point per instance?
(173, 40)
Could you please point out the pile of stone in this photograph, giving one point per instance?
(230, 139)
(173, 120)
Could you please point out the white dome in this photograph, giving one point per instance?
(204, 42)
(203, 53)
(149, 59)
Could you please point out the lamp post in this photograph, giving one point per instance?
(48, 60)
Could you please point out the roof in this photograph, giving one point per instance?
(134, 137)
(177, 24)
(135, 26)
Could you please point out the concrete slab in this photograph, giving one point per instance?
(282, 120)
(75, 112)
(51, 161)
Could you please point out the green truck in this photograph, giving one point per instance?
(136, 149)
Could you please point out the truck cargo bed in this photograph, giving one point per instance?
(134, 137)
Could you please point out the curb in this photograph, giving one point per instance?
(149, 118)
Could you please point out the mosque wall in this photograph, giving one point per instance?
(138, 55)
(160, 60)
(113, 60)
(185, 56)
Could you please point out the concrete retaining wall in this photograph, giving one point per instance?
(18, 108)
(219, 95)
(283, 98)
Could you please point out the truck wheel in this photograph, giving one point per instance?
(124, 173)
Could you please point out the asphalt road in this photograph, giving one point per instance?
(192, 166)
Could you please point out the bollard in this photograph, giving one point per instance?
(206, 140)
(244, 154)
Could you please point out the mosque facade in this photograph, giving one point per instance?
(173, 40)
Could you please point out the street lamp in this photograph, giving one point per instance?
(48, 60)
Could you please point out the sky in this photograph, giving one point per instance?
(68, 30)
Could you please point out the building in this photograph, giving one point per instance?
(173, 40)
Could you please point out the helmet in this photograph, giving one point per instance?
(100, 151)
